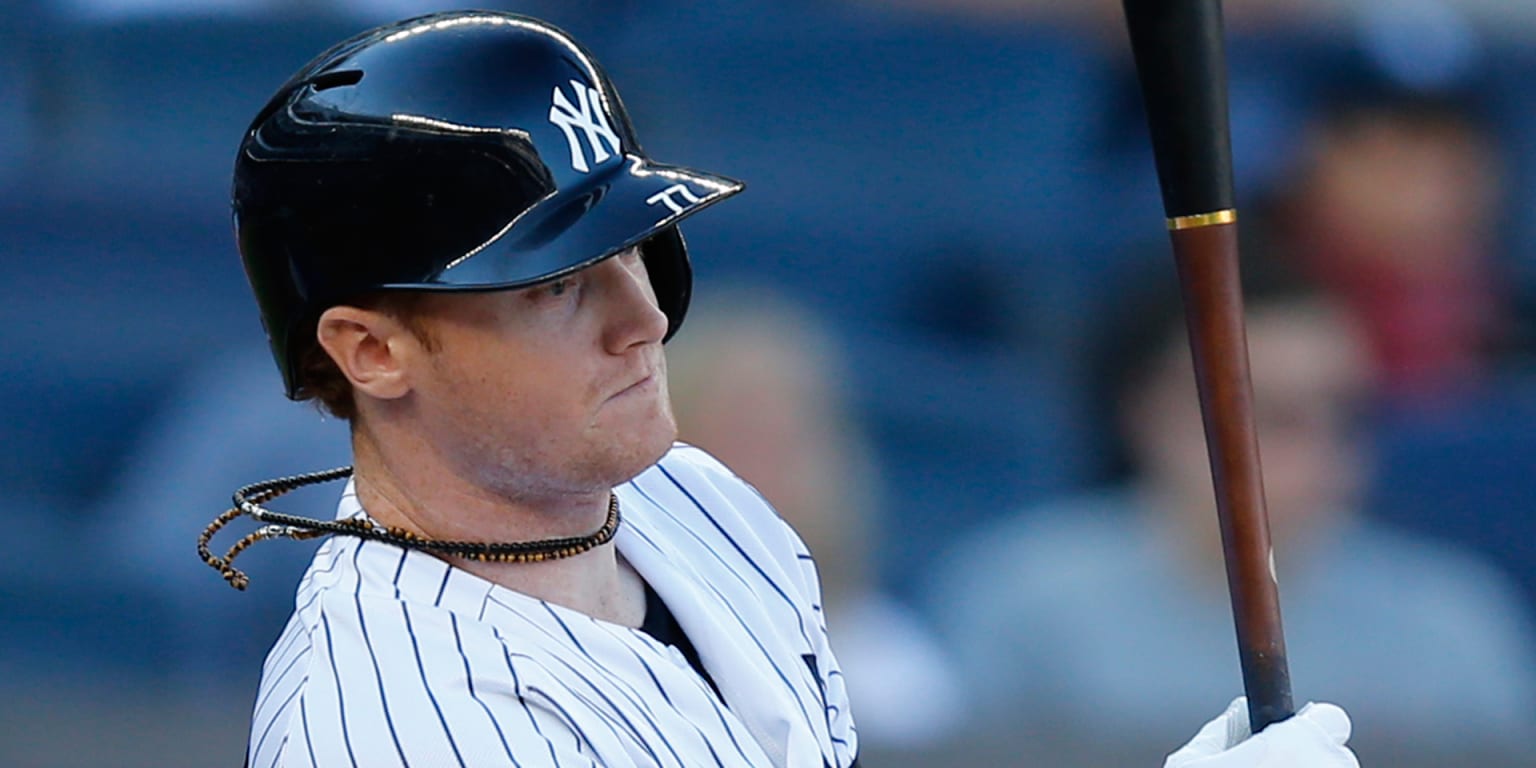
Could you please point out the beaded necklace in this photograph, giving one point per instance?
(249, 499)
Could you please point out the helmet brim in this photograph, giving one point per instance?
(574, 229)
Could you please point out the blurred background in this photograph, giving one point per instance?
(953, 361)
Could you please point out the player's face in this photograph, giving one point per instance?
(550, 390)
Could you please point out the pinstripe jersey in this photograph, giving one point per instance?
(393, 657)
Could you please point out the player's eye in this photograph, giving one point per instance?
(559, 290)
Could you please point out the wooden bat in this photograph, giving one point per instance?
(1181, 62)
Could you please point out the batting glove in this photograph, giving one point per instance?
(1314, 738)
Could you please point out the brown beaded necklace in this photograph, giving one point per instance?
(249, 499)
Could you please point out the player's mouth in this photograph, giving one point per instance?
(645, 385)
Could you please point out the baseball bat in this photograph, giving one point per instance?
(1181, 63)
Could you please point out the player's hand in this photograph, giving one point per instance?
(1314, 738)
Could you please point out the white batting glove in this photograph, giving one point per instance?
(1314, 738)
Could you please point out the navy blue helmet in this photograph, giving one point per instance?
(460, 151)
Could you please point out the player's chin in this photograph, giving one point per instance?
(658, 439)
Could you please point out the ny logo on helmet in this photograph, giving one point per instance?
(586, 114)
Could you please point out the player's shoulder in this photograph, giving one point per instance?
(690, 487)
(696, 474)
(691, 459)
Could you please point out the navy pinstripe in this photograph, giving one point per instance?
(469, 678)
(405, 613)
(309, 744)
(341, 704)
(373, 658)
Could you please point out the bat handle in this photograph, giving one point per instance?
(1205, 248)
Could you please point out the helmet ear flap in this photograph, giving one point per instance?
(666, 262)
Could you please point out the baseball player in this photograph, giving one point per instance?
(458, 246)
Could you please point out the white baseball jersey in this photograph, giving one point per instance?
(393, 657)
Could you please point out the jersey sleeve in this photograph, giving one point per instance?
(835, 691)
(799, 567)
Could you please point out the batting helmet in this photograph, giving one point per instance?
(459, 151)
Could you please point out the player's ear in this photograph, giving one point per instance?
(368, 348)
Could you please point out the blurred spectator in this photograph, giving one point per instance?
(1105, 619)
(755, 381)
(1394, 205)
(1404, 204)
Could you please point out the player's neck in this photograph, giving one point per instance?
(406, 488)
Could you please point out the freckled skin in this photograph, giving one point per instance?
(530, 392)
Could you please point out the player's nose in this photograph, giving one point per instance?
(635, 316)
